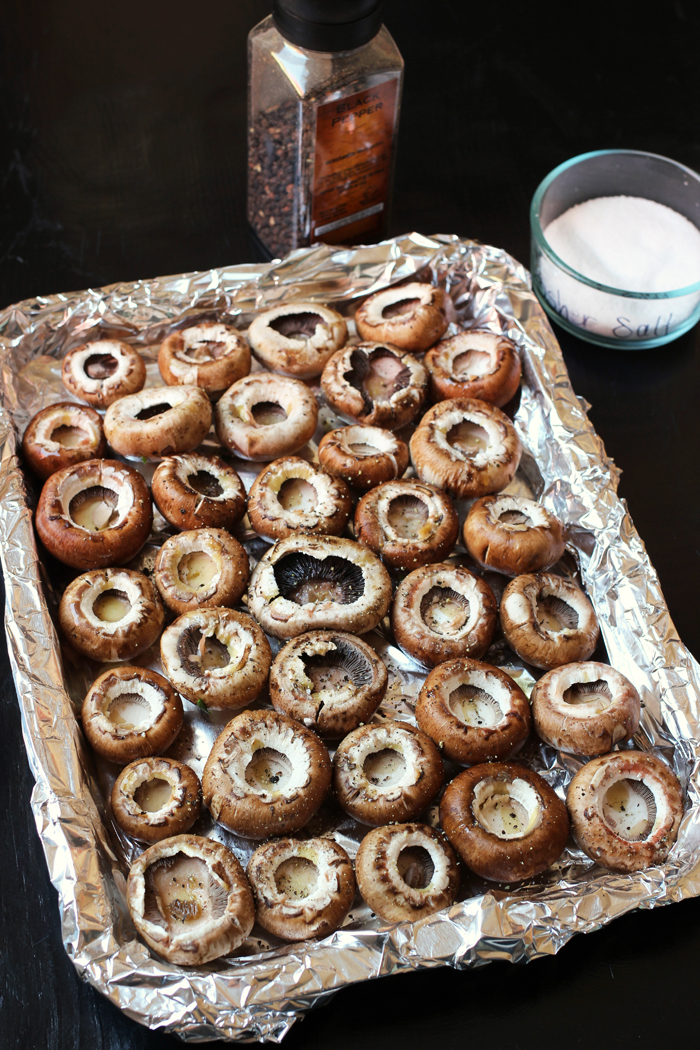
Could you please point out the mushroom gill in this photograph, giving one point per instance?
(443, 610)
(554, 614)
(297, 326)
(335, 668)
(150, 411)
(268, 770)
(180, 891)
(94, 508)
(474, 706)
(588, 692)
(416, 867)
(377, 375)
(100, 366)
(199, 652)
(408, 516)
(204, 483)
(629, 809)
(296, 877)
(515, 517)
(403, 306)
(304, 579)
(384, 768)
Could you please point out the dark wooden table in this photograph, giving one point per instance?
(123, 156)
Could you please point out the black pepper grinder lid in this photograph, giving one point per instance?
(328, 25)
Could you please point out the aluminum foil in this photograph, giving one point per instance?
(258, 994)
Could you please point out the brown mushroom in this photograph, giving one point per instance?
(111, 614)
(297, 339)
(548, 620)
(363, 456)
(61, 436)
(483, 365)
(375, 384)
(154, 798)
(210, 355)
(159, 421)
(103, 371)
(200, 569)
(411, 316)
(130, 713)
(292, 495)
(407, 523)
(194, 491)
(513, 535)
(265, 416)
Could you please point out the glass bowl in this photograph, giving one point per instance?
(612, 317)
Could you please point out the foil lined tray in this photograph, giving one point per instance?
(258, 994)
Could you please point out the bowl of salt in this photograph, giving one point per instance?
(616, 248)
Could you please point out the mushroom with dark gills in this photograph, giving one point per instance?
(625, 810)
(265, 775)
(111, 614)
(189, 899)
(407, 523)
(330, 681)
(154, 798)
(308, 581)
(375, 384)
(513, 535)
(302, 889)
(194, 491)
(406, 871)
(505, 821)
(297, 339)
(130, 713)
(411, 316)
(548, 620)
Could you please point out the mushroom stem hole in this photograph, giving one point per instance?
(469, 438)
(203, 351)
(508, 810)
(268, 413)
(403, 306)
(384, 768)
(197, 569)
(361, 449)
(554, 614)
(180, 891)
(296, 877)
(200, 653)
(100, 366)
(386, 375)
(111, 606)
(416, 867)
(296, 494)
(150, 411)
(268, 770)
(475, 707)
(154, 794)
(130, 711)
(443, 610)
(515, 517)
(408, 517)
(473, 363)
(597, 693)
(94, 508)
(629, 809)
(297, 326)
(69, 437)
(205, 484)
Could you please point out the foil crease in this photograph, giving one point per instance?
(258, 995)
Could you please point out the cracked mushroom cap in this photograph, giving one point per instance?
(297, 339)
(189, 899)
(308, 581)
(265, 416)
(217, 656)
(194, 491)
(475, 712)
(103, 371)
(266, 775)
(95, 514)
(111, 614)
(293, 495)
(330, 681)
(505, 821)
(210, 355)
(200, 569)
(513, 535)
(466, 447)
(159, 421)
(483, 365)
(406, 871)
(154, 798)
(411, 316)
(407, 523)
(386, 772)
(548, 620)
(375, 384)
(441, 612)
(585, 708)
(302, 889)
(130, 713)
(363, 456)
(625, 810)
(61, 436)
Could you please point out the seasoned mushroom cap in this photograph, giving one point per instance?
(376, 384)
(443, 611)
(218, 656)
(585, 708)
(154, 798)
(363, 456)
(189, 899)
(625, 810)
(513, 535)
(302, 889)
(210, 355)
(504, 820)
(200, 569)
(548, 620)
(483, 365)
(411, 316)
(102, 371)
(265, 416)
(159, 421)
(129, 713)
(194, 491)
(466, 447)
(293, 495)
(297, 339)
(407, 523)
(322, 582)
(266, 775)
(406, 871)
(61, 436)
(111, 614)
(330, 681)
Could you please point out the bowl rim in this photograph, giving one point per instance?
(541, 241)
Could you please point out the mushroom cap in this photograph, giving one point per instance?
(210, 355)
(513, 535)
(159, 421)
(531, 602)
(297, 338)
(386, 772)
(130, 713)
(441, 612)
(376, 384)
(183, 565)
(302, 889)
(150, 816)
(407, 523)
(266, 775)
(102, 371)
(110, 640)
(391, 864)
(194, 491)
(625, 810)
(43, 448)
(474, 711)
(483, 365)
(466, 447)
(291, 425)
(293, 495)
(363, 456)
(83, 548)
(585, 708)
(505, 821)
(218, 656)
(330, 681)
(189, 899)
(307, 581)
(411, 316)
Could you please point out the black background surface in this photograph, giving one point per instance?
(122, 155)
